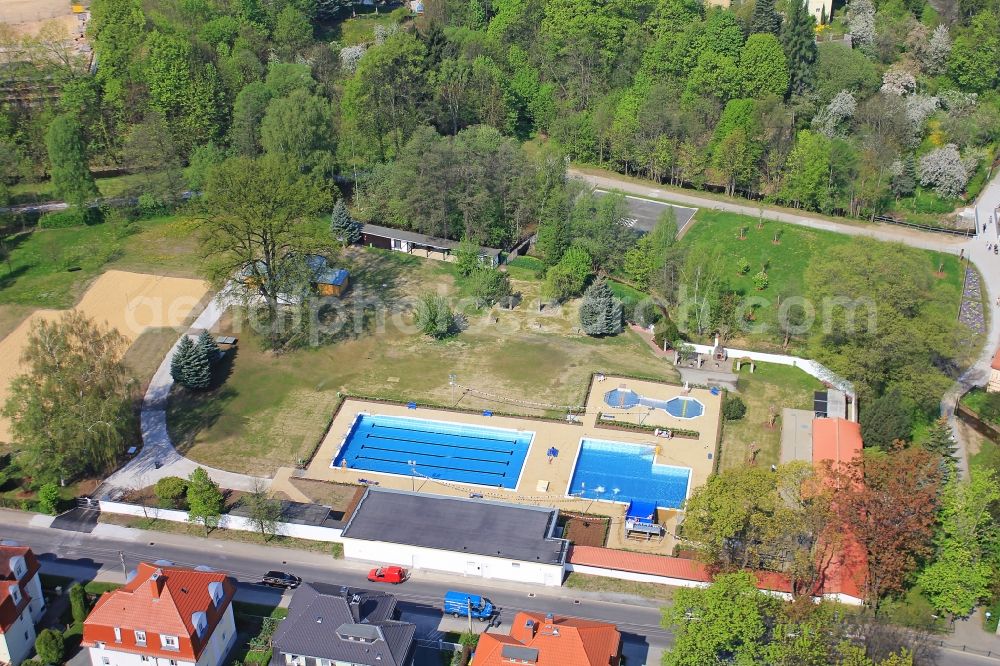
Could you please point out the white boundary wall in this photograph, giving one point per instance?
(808, 366)
(467, 565)
(228, 522)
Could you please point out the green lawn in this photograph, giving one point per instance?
(360, 29)
(787, 261)
(26, 193)
(985, 404)
(51, 267)
(273, 409)
(771, 386)
(578, 581)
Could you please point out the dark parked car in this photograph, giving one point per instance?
(280, 579)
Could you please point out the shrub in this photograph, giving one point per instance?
(50, 647)
(434, 317)
(62, 219)
(666, 330)
(743, 265)
(760, 281)
(489, 285)
(733, 408)
(170, 490)
(78, 602)
(48, 499)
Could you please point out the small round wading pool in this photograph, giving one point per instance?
(684, 408)
(622, 398)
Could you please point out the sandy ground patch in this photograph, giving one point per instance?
(129, 302)
(22, 11)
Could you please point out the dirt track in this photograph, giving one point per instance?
(129, 302)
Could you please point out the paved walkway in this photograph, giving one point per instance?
(974, 249)
(159, 458)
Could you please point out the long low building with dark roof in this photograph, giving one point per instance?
(472, 537)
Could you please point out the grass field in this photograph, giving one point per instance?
(770, 386)
(578, 581)
(360, 29)
(787, 261)
(51, 267)
(273, 409)
(115, 186)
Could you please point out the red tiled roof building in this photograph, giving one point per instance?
(21, 602)
(547, 640)
(164, 616)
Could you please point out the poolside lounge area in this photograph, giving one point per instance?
(548, 466)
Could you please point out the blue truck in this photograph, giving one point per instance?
(462, 604)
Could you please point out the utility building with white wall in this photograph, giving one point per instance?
(475, 538)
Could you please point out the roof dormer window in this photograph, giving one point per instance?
(216, 592)
(18, 566)
(15, 593)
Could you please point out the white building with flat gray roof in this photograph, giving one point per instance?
(475, 538)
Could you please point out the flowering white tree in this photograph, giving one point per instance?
(830, 118)
(350, 56)
(861, 21)
(944, 170)
(935, 56)
(918, 109)
(957, 102)
(898, 80)
(383, 33)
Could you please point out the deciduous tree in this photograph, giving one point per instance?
(264, 511)
(71, 409)
(204, 499)
(260, 221)
(888, 503)
(68, 161)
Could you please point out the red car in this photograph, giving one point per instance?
(394, 575)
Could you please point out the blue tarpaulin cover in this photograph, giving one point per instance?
(642, 511)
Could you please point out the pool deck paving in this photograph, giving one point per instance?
(545, 480)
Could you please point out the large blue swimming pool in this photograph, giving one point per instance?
(604, 467)
(441, 450)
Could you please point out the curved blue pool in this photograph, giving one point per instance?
(622, 472)
(684, 408)
(436, 449)
(622, 398)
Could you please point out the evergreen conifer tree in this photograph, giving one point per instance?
(765, 18)
(180, 362)
(199, 369)
(343, 227)
(940, 440)
(798, 37)
(600, 311)
(207, 343)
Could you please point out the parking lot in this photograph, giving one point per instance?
(646, 212)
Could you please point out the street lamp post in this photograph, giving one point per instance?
(413, 474)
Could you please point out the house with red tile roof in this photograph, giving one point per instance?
(163, 616)
(993, 385)
(549, 640)
(21, 602)
(838, 441)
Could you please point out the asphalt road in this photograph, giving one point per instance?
(84, 555)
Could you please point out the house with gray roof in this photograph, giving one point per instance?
(333, 624)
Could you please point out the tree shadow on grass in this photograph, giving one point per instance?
(191, 412)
